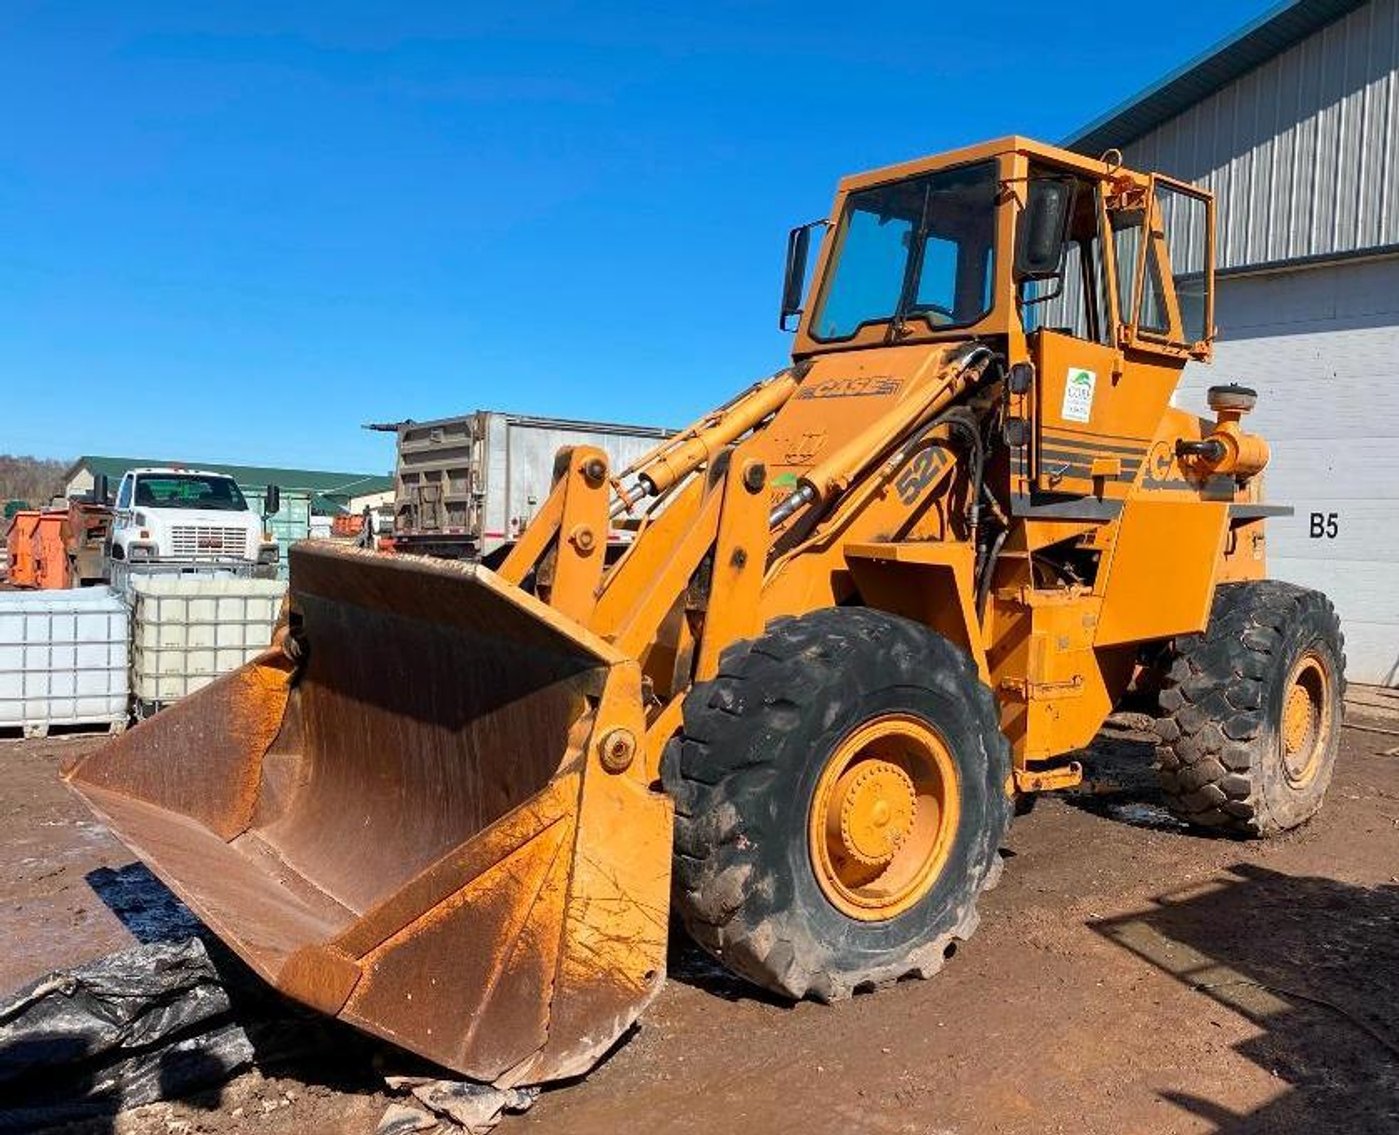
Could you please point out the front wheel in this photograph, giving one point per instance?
(841, 795)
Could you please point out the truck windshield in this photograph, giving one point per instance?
(188, 490)
(922, 248)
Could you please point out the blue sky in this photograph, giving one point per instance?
(238, 231)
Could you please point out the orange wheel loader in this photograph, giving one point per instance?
(870, 605)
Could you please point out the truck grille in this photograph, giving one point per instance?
(202, 542)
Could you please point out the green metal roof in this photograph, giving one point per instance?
(334, 486)
(1249, 47)
(327, 506)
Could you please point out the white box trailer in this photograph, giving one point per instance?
(466, 487)
(63, 660)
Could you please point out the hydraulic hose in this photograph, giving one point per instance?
(988, 569)
(805, 494)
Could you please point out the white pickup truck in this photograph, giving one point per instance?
(191, 517)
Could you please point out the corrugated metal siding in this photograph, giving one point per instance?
(1301, 153)
(1255, 43)
(1322, 348)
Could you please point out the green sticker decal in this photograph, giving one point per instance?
(1078, 395)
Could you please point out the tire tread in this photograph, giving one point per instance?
(760, 685)
(1214, 705)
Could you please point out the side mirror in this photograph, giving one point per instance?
(1043, 233)
(272, 500)
(100, 493)
(794, 279)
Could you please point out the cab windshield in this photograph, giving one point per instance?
(188, 490)
(922, 248)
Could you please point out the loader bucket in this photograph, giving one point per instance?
(411, 827)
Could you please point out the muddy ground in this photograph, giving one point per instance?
(1129, 977)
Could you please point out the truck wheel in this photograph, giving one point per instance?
(841, 794)
(1251, 710)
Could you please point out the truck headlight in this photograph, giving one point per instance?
(268, 553)
(141, 552)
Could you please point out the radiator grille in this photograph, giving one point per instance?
(206, 542)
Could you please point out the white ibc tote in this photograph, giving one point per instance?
(187, 630)
(63, 659)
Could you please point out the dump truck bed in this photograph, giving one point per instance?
(466, 485)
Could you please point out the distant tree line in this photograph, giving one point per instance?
(32, 479)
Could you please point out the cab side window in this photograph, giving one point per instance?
(1126, 247)
(124, 493)
(1186, 220)
(1140, 301)
(1153, 315)
(1075, 303)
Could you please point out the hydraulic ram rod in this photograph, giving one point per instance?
(700, 442)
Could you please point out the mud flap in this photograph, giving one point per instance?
(412, 829)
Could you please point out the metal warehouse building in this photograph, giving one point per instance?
(329, 493)
(1293, 123)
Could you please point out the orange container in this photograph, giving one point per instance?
(19, 545)
(51, 551)
(346, 524)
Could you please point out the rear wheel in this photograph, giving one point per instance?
(840, 796)
(1251, 710)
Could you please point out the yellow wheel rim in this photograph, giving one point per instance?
(883, 817)
(1306, 719)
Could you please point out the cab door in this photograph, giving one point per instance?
(1117, 302)
(121, 515)
(1084, 448)
(122, 510)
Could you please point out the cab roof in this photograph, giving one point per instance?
(1010, 144)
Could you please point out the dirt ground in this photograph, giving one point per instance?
(1128, 977)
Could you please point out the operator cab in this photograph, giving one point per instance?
(1071, 266)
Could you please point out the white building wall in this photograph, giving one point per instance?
(374, 501)
(1321, 347)
(80, 482)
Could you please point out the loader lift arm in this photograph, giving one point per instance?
(706, 510)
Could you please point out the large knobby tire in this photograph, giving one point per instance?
(1251, 710)
(820, 722)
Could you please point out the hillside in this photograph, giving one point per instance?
(32, 479)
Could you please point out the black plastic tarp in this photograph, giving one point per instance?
(141, 1025)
